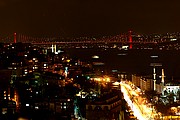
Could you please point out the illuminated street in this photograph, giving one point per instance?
(142, 110)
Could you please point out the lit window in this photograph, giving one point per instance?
(9, 67)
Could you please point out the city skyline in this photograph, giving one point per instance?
(87, 18)
(89, 59)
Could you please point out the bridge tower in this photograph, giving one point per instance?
(15, 37)
(130, 39)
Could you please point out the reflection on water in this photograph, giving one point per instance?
(132, 61)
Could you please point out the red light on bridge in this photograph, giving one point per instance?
(130, 40)
(14, 37)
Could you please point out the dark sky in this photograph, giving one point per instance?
(88, 17)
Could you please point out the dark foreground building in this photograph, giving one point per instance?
(107, 107)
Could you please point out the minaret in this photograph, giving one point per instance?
(162, 82)
(52, 48)
(162, 79)
(154, 77)
(55, 48)
(154, 65)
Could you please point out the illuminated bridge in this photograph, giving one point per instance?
(129, 39)
(122, 38)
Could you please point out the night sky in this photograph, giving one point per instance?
(88, 17)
